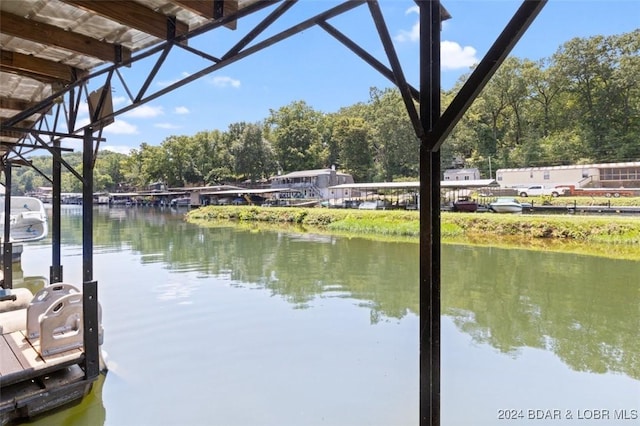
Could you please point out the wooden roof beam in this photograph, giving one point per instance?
(133, 15)
(211, 9)
(17, 104)
(46, 34)
(25, 124)
(5, 145)
(12, 134)
(38, 68)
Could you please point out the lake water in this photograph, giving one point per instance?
(221, 326)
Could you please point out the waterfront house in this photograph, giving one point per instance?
(461, 174)
(312, 184)
(608, 175)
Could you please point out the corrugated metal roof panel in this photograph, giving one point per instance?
(31, 29)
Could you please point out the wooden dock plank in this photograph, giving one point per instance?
(31, 363)
(8, 362)
(55, 358)
(24, 352)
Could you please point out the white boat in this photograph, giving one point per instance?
(372, 205)
(28, 220)
(506, 205)
(180, 202)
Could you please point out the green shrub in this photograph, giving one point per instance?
(611, 229)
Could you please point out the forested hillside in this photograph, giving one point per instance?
(582, 105)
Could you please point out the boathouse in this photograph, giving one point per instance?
(60, 55)
(312, 184)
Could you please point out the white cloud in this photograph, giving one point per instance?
(453, 56)
(181, 110)
(120, 100)
(166, 126)
(166, 83)
(414, 33)
(121, 127)
(145, 111)
(121, 149)
(82, 121)
(412, 9)
(409, 36)
(83, 109)
(223, 81)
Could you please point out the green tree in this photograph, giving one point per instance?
(212, 157)
(132, 171)
(108, 173)
(154, 166)
(601, 75)
(176, 160)
(395, 144)
(254, 158)
(545, 86)
(352, 136)
(296, 137)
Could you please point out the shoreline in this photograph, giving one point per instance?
(604, 236)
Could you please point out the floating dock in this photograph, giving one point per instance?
(575, 209)
(41, 351)
(32, 384)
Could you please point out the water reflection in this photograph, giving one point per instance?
(328, 325)
(586, 310)
(297, 267)
(31, 282)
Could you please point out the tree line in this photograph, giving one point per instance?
(579, 106)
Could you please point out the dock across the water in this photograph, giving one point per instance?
(575, 209)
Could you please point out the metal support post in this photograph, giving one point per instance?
(430, 21)
(55, 272)
(7, 246)
(89, 287)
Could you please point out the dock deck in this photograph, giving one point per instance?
(30, 383)
(20, 359)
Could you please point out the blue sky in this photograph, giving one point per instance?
(314, 67)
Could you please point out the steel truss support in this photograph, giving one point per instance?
(89, 287)
(481, 75)
(7, 245)
(430, 126)
(437, 129)
(430, 89)
(240, 50)
(55, 271)
(74, 98)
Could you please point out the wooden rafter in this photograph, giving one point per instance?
(25, 124)
(208, 8)
(11, 134)
(16, 104)
(38, 68)
(133, 15)
(40, 32)
(17, 132)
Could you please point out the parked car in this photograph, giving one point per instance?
(535, 190)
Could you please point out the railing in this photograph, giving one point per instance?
(585, 181)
